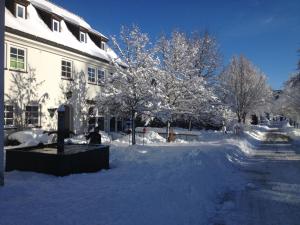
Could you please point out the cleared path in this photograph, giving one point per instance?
(272, 196)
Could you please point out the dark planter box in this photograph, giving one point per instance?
(75, 159)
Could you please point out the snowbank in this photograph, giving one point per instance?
(31, 138)
(149, 137)
(81, 139)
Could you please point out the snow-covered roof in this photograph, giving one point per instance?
(65, 14)
(35, 26)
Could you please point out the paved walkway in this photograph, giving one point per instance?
(272, 196)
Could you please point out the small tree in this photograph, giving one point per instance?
(24, 91)
(131, 90)
(243, 87)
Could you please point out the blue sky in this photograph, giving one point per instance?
(266, 31)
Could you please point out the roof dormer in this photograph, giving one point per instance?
(82, 36)
(55, 24)
(17, 7)
(52, 20)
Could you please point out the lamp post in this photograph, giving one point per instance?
(2, 13)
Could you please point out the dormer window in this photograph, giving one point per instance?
(82, 37)
(20, 11)
(55, 25)
(103, 45)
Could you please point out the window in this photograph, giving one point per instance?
(20, 11)
(92, 75)
(82, 37)
(55, 25)
(66, 69)
(17, 58)
(32, 115)
(101, 76)
(103, 45)
(8, 115)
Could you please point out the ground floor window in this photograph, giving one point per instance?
(116, 124)
(8, 115)
(32, 115)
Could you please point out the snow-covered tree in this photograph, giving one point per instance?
(25, 91)
(291, 97)
(243, 87)
(186, 64)
(131, 90)
(208, 58)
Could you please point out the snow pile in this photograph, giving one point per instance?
(171, 184)
(81, 139)
(150, 137)
(293, 133)
(30, 138)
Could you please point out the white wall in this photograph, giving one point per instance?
(46, 60)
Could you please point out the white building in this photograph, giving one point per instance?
(66, 54)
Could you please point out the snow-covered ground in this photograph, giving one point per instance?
(155, 184)
(209, 181)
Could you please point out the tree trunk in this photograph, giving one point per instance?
(190, 125)
(133, 127)
(239, 118)
(244, 118)
(168, 131)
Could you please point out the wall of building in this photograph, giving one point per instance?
(45, 61)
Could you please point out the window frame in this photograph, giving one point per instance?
(9, 118)
(103, 45)
(66, 71)
(84, 40)
(95, 75)
(101, 81)
(31, 118)
(18, 6)
(17, 61)
(54, 21)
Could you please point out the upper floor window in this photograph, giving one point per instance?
(32, 115)
(103, 45)
(82, 37)
(101, 76)
(55, 25)
(66, 69)
(92, 75)
(8, 115)
(17, 58)
(20, 11)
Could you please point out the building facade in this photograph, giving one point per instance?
(53, 57)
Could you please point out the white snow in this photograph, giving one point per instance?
(81, 139)
(154, 184)
(158, 183)
(149, 137)
(29, 138)
(36, 26)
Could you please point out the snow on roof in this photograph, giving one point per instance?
(34, 25)
(67, 15)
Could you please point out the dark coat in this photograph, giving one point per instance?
(94, 137)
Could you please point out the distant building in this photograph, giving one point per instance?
(277, 94)
(57, 45)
